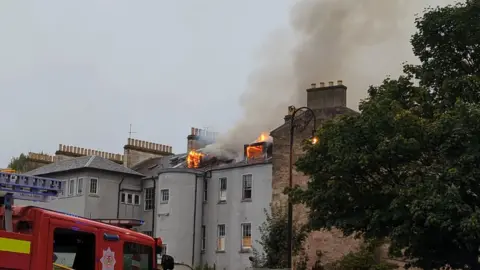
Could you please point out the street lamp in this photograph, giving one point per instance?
(300, 124)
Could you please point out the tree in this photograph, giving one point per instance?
(406, 168)
(19, 164)
(273, 240)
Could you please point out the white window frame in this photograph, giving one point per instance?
(71, 187)
(222, 191)
(245, 233)
(162, 197)
(123, 197)
(131, 198)
(221, 237)
(244, 177)
(146, 198)
(80, 185)
(204, 238)
(93, 179)
(136, 202)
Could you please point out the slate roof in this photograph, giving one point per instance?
(92, 162)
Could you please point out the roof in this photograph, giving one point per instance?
(91, 162)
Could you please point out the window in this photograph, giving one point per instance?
(223, 189)
(93, 186)
(247, 187)
(221, 237)
(80, 186)
(71, 187)
(73, 249)
(122, 197)
(204, 237)
(246, 236)
(165, 195)
(136, 256)
(136, 199)
(149, 198)
(129, 198)
(205, 190)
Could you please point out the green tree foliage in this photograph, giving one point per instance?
(407, 168)
(20, 163)
(273, 240)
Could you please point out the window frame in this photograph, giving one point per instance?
(71, 188)
(243, 235)
(131, 198)
(123, 197)
(205, 190)
(162, 200)
(222, 189)
(219, 237)
(139, 199)
(203, 244)
(146, 198)
(96, 186)
(80, 185)
(244, 198)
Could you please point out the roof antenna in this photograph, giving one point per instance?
(130, 132)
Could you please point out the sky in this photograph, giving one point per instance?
(80, 72)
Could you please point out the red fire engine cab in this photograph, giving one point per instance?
(33, 238)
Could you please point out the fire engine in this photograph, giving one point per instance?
(39, 239)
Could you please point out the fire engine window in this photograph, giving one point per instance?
(73, 249)
(137, 255)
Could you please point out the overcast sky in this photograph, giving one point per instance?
(80, 72)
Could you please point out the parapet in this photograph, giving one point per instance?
(149, 147)
(75, 151)
(41, 157)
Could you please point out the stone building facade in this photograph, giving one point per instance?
(327, 101)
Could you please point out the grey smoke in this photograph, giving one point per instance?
(357, 41)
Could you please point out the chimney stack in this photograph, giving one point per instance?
(330, 96)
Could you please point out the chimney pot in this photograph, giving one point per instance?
(322, 84)
(314, 85)
(330, 83)
(60, 147)
(340, 82)
(192, 131)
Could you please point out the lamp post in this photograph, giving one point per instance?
(308, 116)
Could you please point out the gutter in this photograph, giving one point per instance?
(119, 195)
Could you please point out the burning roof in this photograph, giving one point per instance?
(259, 150)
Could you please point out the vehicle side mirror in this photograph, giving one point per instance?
(168, 262)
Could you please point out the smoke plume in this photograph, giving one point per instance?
(357, 41)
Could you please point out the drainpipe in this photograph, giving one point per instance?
(119, 195)
(194, 218)
(154, 203)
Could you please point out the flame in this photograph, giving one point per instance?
(254, 151)
(194, 158)
(263, 137)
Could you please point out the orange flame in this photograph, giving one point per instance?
(193, 159)
(254, 151)
(263, 137)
